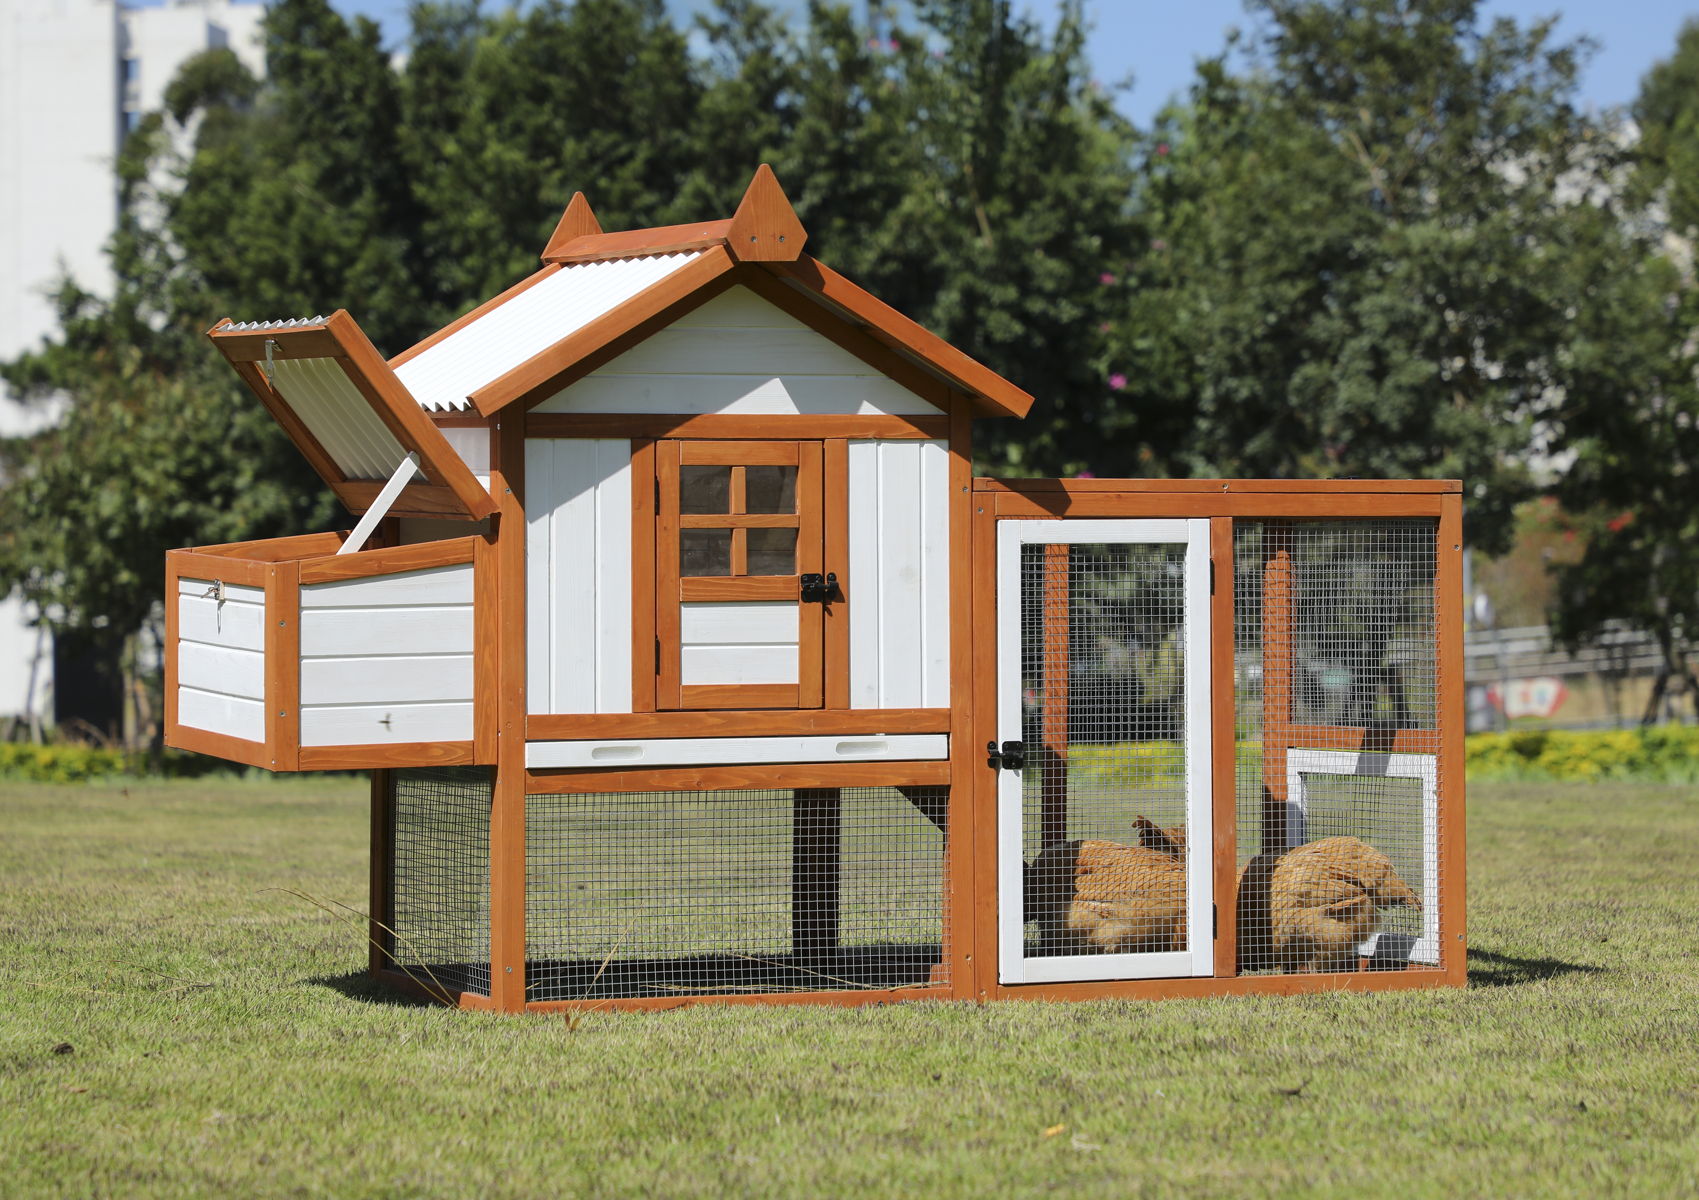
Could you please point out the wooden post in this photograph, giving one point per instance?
(1054, 715)
(1277, 663)
(1223, 752)
(507, 811)
(816, 863)
(379, 906)
(1448, 715)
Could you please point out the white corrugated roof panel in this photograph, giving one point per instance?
(335, 412)
(444, 376)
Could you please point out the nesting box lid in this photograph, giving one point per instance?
(341, 404)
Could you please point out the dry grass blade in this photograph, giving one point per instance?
(442, 995)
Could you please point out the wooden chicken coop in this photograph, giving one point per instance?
(691, 662)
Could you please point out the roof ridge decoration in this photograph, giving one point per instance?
(577, 221)
(765, 227)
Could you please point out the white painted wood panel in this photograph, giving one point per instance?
(578, 575)
(664, 752)
(433, 585)
(446, 629)
(232, 672)
(472, 444)
(229, 624)
(382, 724)
(233, 592)
(744, 622)
(738, 664)
(899, 574)
(385, 678)
(215, 713)
(738, 354)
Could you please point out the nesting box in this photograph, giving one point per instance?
(692, 662)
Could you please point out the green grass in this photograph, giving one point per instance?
(224, 1041)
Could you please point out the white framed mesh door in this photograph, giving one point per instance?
(1103, 707)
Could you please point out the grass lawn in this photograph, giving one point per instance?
(222, 1039)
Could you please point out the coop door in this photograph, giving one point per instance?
(1104, 837)
(740, 593)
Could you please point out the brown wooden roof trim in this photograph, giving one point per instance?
(995, 396)
(453, 491)
(655, 306)
(577, 221)
(640, 243)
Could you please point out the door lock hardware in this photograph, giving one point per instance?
(819, 589)
(1012, 757)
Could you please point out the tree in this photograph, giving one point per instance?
(1366, 251)
(1630, 487)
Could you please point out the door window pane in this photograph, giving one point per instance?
(772, 552)
(705, 552)
(770, 489)
(704, 489)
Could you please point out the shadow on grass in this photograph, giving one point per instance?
(357, 985)
(1487, 969)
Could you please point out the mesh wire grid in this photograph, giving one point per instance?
(440, 876)
(1103, 715)
(1336, 682)
(656, 894)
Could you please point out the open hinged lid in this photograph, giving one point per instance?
(340, 402)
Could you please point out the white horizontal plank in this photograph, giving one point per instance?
(386, 678)
(234, 593)
(674, 752)
(382, 724)
(444, 629)
(749, 622)
(738, 308)
(680, 350)
(753, 393)
(737, 664)
(431, 586)
(238, 625)
(229, 715)
(221, 669)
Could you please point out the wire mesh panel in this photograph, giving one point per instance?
(1109, 686)
(657, 894)
(440, 878)
(1336, 680)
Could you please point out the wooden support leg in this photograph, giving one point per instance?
(382, 917)
(816, 864)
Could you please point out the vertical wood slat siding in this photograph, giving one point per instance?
(388, 658)
(898, 592)
(578, 575)
(220, 653)
(738, 354)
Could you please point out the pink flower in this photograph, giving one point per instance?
(1086, 475)
(1162, 149)
(1158, 244)
(1117, 381)
(1107, 278)
(1103, 328)
(894, 45)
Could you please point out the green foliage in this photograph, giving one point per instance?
(1665, 754)
(1365, 254)
(71, 763)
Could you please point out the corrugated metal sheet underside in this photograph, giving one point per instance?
(334, 412)
(443, 377)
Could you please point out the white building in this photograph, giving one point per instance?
(74, 76)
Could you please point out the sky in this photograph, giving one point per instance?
(1157, 41)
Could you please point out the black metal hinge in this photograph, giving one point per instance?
(819, 589)
(657, 656)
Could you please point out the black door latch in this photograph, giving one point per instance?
(1012, 757)
(818, 589)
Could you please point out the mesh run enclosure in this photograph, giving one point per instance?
(1336, 680)
(655, 894)
(1103, 715)
(440, 876)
